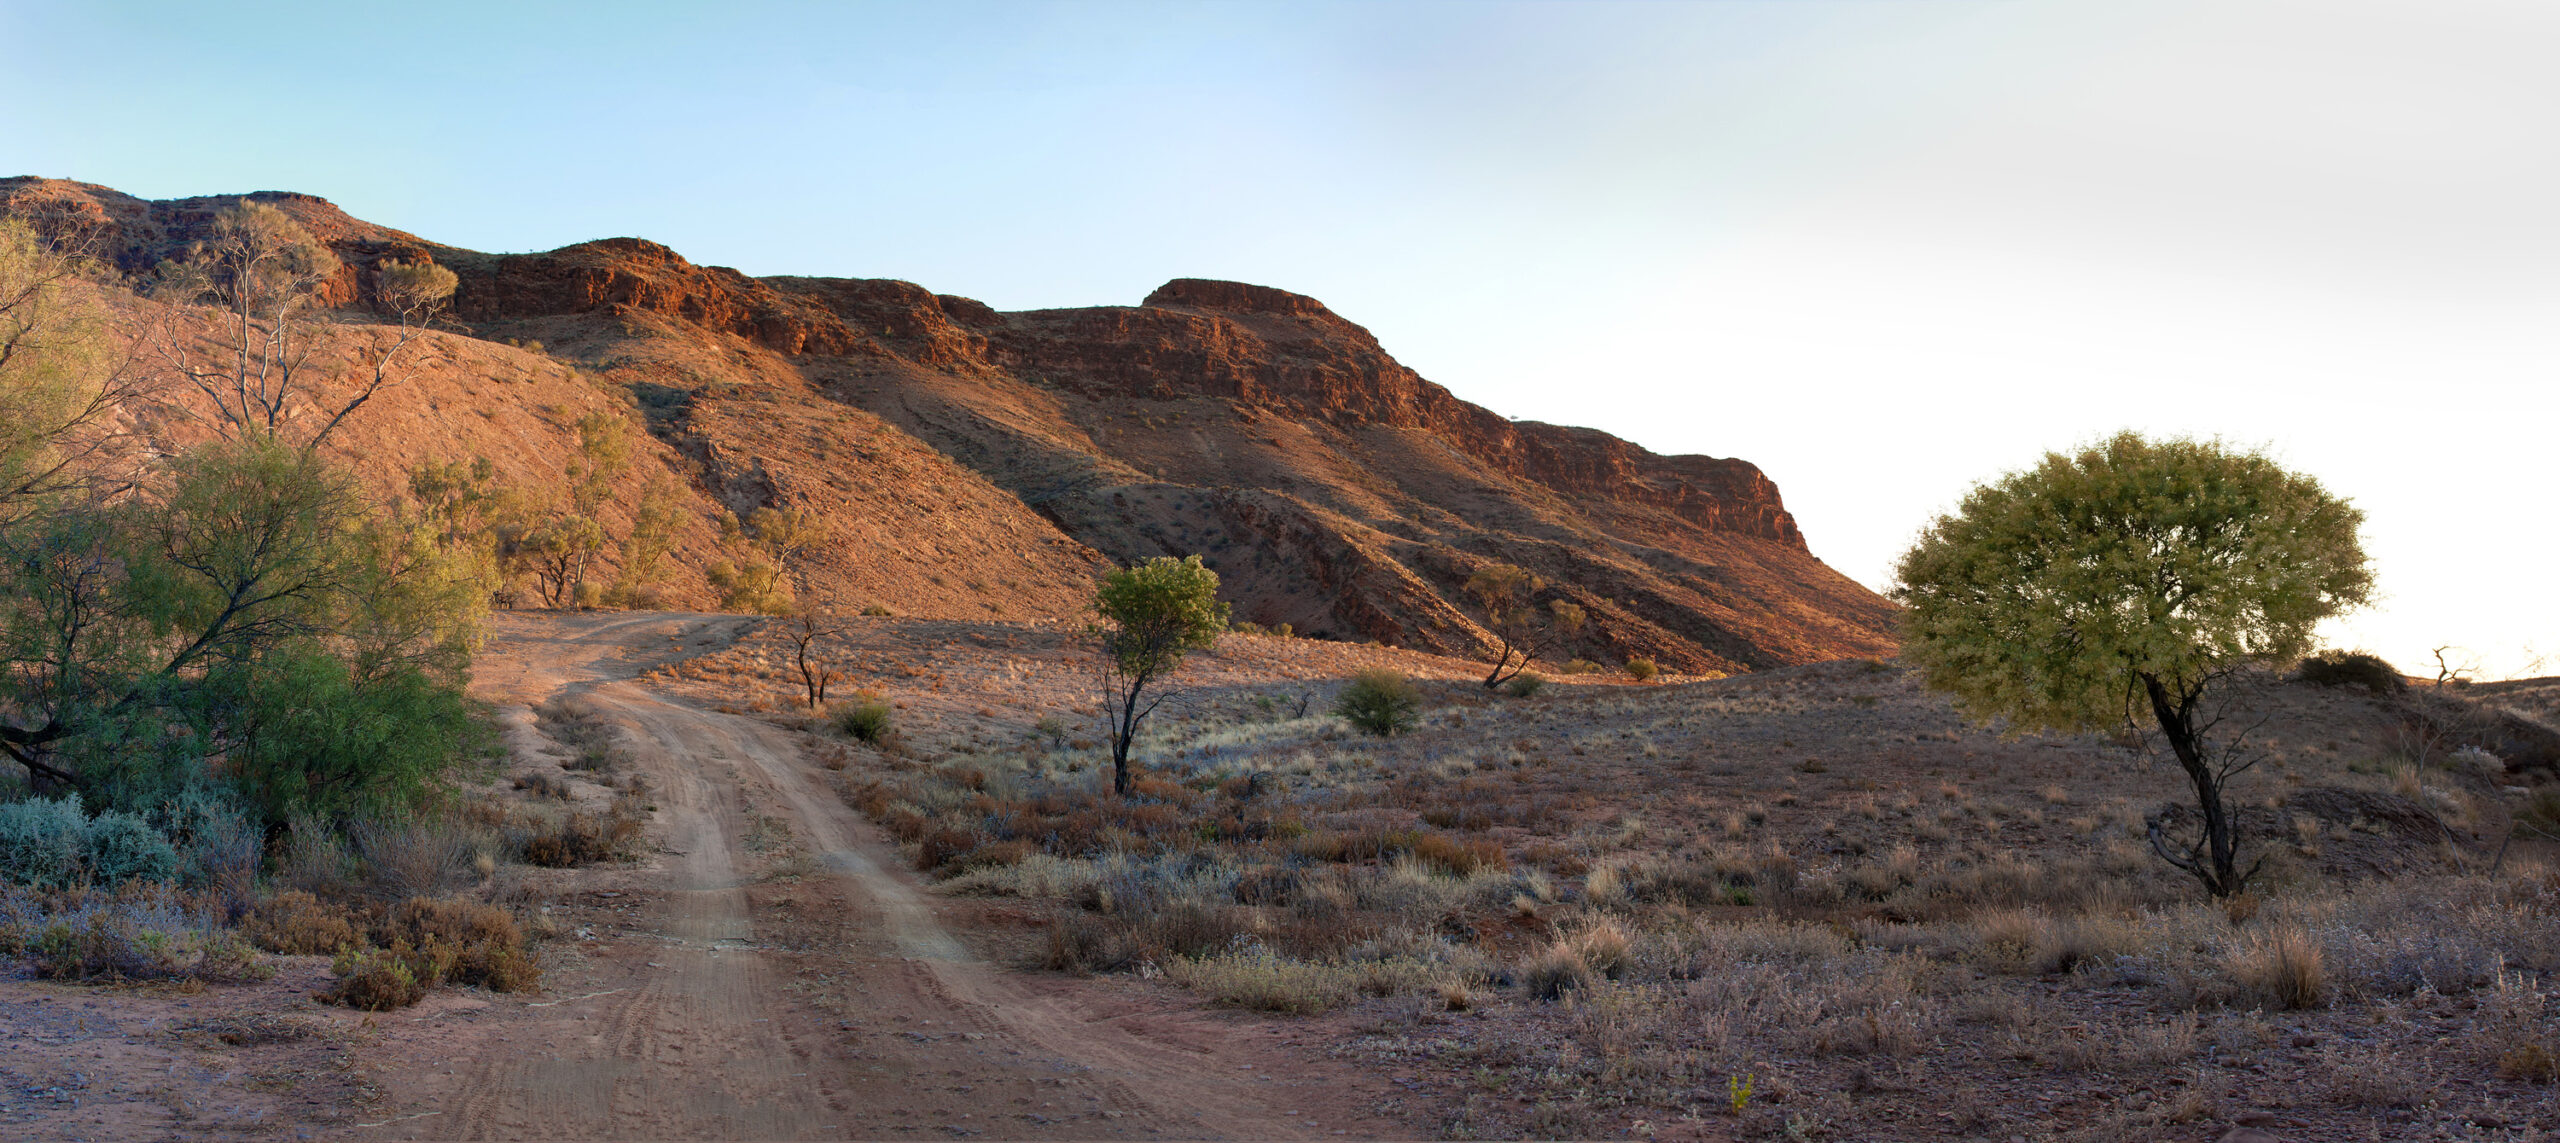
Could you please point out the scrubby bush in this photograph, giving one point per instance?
(1605, 948)
(376, 981)
(296, 923)
(867, 717)
(430, 941)
(1460, 857)
(219, 849)
(1525, 684)
(144, 932)
(1380, 702)
(51, 844)
(1642, 669)
(42, 841)
(585, 839)
(412, 857)
(2351, 669)
(1082, 942)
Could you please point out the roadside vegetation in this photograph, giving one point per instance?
(231, 678)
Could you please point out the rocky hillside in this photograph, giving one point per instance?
(974, 464)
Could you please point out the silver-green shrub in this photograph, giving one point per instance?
(53, 845)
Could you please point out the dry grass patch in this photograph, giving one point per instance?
(2284, 965)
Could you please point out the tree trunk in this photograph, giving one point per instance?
(1121, 738)
(2176, 714)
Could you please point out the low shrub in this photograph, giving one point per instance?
(2530, 1062)
(1264, 982)
(1082, 942)
(1458, 856)
(102, 944)
(378, 980)
(425, 942)
(1380, 702)
(315, 860)
(52, 844)
(2351, 669)
(142, 933)
(486, 945)
(866, 717)
(1525, 684)
(412, 857)
(1642, 669)
(296, 923)
(944, 847)
(219, 849)
(585, 839)
(1605, 948)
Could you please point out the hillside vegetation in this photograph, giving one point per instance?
(964, 463)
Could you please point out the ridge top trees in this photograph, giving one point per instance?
(2124, 583)
(262, 269)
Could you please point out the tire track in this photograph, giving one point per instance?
(707, 1036)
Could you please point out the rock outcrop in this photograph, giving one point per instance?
(975, 461)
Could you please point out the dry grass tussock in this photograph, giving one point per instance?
(1624, 901)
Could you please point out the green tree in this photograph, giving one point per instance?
(1521, 629)
(136, 630)
(476, 522)
(2123, 585)
(1150, 617)
(767, 541)
(164, 629)
(604, 454)
(653, 534)
(62, 378)
(561, 551)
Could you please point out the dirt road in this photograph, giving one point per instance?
(775, 974)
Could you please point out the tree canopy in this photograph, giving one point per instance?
(238, 620)
(1151, 617)
(2121, 581)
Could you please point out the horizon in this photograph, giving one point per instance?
(1998, 232)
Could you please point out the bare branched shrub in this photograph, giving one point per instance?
(412, 857)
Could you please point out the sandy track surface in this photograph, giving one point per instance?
(706, 997)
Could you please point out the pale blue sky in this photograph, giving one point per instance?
(1881, 249)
